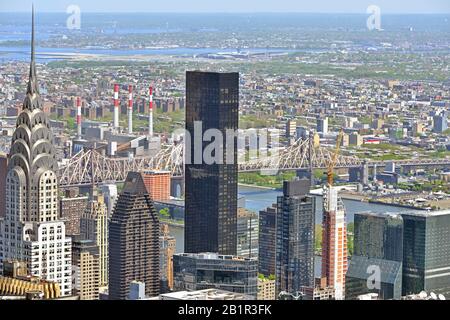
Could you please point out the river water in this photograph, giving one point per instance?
(257, 199)
(22, 53)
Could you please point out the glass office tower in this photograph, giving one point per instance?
(295, 237)
(212, 102)
(376, 264)
(198, 271)
(426, 248)
(267, 241)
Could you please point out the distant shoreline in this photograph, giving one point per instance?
(256, 186)
(397, 205)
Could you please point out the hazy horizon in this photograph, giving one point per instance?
(234, 6)
(236, 12)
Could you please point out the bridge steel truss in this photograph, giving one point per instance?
(91, 164)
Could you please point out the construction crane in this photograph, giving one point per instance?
(334, 157)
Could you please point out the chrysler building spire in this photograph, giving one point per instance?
(33, 99)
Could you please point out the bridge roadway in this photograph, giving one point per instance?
(78, 171)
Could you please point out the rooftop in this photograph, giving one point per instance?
(379, 214)
(207, 294)
(213, 256)
(427, 213)
(152, 172)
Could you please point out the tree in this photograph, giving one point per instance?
(164, 212)
(318, 237)
(71, 123)
(351, 227)
(350, 245)
(350, 237)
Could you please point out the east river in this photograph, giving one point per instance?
(257, 199)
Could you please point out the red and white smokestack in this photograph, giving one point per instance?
(130, 109)
(150, 109)
(116, 106)
(78, 117)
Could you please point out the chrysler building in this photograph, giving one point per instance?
(31, 231)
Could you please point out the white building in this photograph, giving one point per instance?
(322, 125)
(50, 254)
(94, 226)
(31, 232)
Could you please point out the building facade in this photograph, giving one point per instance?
(440, 122)
(267, 241)
(71, 207)
(295, 237)
(212, 102)
(322, 125)
(426, 259)
(355, 139)
(94, 227)
(31, 231)
(134, 253)
(376, 263)
(291, 126)
(157, 184)
(334, 242)
(247, 233)
(85, 268)
(3, 172)
(109, 192)
(319, 292)
(168, 246)
(266, 289)
(210, 270)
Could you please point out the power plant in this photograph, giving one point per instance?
(78, 118)
(150, 110)
(130, 109)
(112, 139)
(116, 106)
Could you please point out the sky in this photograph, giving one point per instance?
(319, 6)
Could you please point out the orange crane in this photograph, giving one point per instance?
(332, 163)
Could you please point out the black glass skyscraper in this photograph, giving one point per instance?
(133, 241)
(212, 102)
(267, 241)
(379, 236)
(295, 237)
(376, 264)
(426, 252)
